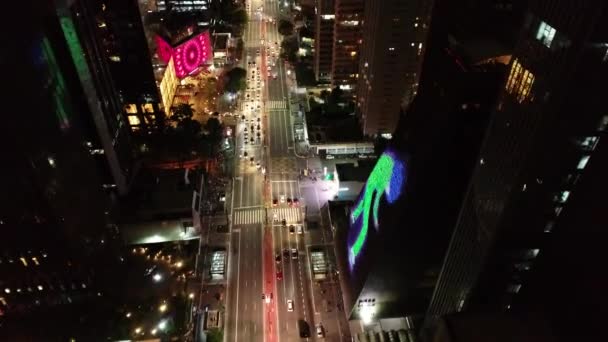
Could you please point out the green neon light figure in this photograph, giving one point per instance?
(387, 177)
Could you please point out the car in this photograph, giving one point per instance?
(258, 165)
(258, 127)
(275, 202)
(282, 198)
(289, 202)
(258, 118)
(294, 253)
(296, 202)
(286, 252)
(268, 298)
(279, 275)
(300, 230)
(289, 305)
(284, 222)
(320, 331)
(251, 159)
(251, 140)
(330, 156)
(245, 129)
(277, 258)
(263, 296)
(292, 229)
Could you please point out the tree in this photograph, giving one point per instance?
(215, 335)
(182, 112)
(237, 80)
(285, 27)
(239, 17)
(214, 128)
(289, 49)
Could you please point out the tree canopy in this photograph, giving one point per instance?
(289, 49)
(285, 27)
(236, 80)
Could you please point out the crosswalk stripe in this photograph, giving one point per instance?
(250, 216)
(276, 104)
(291, 215)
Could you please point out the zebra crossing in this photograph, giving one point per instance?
(291, 215)
(276, 104)
(248, 216)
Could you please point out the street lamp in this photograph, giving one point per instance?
(157, 277)
(162, 307)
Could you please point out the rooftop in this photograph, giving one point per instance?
(160, 195)
(359, 172)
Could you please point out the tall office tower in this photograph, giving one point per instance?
(59, 150)
(346, 43)
(535, 200)
(324, 37)
(391, 244)
(183, 5)
(107, 131)
(122, 34)
(394, 38)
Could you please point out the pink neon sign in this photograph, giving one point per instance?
(164, 50)
(187, 56)
(191, 54)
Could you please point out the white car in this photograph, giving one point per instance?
(330, 156)
(320, 331)
(290, 305)
(300, 230)
(282, 199)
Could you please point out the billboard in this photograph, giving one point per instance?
(188, 56)
(387, 180)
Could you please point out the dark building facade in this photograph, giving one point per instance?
(346, 42)
(66, 156)
(121, 32)
(324, 39)
(436, 143)
(390, 60)
(534, 201)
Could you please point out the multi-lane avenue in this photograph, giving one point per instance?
(269, 277)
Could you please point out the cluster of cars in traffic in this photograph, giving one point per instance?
(292, 202)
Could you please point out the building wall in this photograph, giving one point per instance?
(394, 38)
(58, 234)
(324, 36)
(542, 143)
(346, 43)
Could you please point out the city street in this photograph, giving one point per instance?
(270, 243)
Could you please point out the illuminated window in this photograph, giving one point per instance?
(562, 197)
(530, 253)
(514, 288)
(545, 34)
(131, 108)
(603, 123)
(133, 120)
(523, 266)
(558, 210)
(147, 108)
(582, 162)
(587, 143)
(520, 82)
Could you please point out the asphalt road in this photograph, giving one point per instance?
(257, 234)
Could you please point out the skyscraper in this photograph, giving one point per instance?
(121, 32)
(538, 177)
(324, 38)
(346, 42)
(394, 39)
(66, 154)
